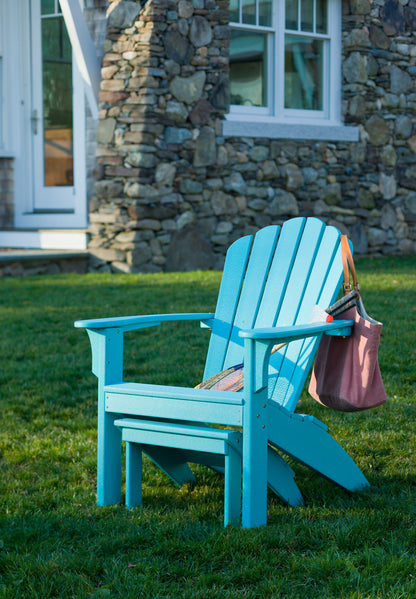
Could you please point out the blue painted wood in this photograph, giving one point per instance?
(140, 434)
(107, 358)
(133, 475)
(321, 289)
(311, 268)
(232, 486)
(252, 290)
(280, 272)
(294, 294)
(281, 478)
(188, 439)
(228, 296)
(130, 323)
(294, 332)
(177, 403)
(174, 462)
(269, 287)
(255, 431)
(305, 440)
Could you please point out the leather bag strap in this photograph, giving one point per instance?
(348, 266)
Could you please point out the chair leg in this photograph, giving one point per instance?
(108, 461)
(133, 474)
(232, 487)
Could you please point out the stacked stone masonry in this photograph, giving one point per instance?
(26, 263)
(172, 192)
(6, 193)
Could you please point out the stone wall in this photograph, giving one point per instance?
(6, 193)
(18, 263)
(172, 192)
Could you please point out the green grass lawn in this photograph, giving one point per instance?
(55, 542)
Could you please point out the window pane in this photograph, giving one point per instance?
(57, 102)
(249, 12)
(265, 13)
(234, 11)
(307, 15)
(321, 16)
(248, 68)
(303, 73)
(292, 14)
(47, 7)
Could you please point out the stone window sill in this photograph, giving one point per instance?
(240, 126)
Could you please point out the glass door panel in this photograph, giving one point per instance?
(53, 109)
(57, 103)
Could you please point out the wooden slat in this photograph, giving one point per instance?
(186, 442)
(313, 446)
(252, 291)
(302, 266)
(176, 403)
(280, 271)
(304, 254)
(173, 428)
(271, 294)
(322, 288)
(168, 392)
(228, 297)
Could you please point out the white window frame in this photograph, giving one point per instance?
(2, 20)
(7, 82)
(276, 121)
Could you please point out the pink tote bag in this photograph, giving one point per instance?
(346, 374)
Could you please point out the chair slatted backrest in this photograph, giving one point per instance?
(273, 279)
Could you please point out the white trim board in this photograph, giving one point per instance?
(84, 51)
(51, 239)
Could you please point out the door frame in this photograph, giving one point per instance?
(25, 215)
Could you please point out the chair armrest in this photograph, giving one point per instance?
(129, 323)
(299, 331)
(259, 342)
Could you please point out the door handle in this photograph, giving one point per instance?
(34, 119)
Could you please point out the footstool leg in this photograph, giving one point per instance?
(133, 474)
(232, 487)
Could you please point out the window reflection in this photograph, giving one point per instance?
(248, 64)
(291, 13)
(249, 12)
(253, 12)
(307, 15)
(303, 73)
(321, 16)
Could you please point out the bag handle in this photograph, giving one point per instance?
(348, 266)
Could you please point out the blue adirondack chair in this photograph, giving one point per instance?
(270, 285)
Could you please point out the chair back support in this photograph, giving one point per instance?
(275, 278)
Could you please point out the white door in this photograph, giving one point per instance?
(56, 148)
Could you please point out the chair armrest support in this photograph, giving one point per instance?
(130, 323)
(299, 331)
(258, 344)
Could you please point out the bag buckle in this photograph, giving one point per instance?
(349, 288)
